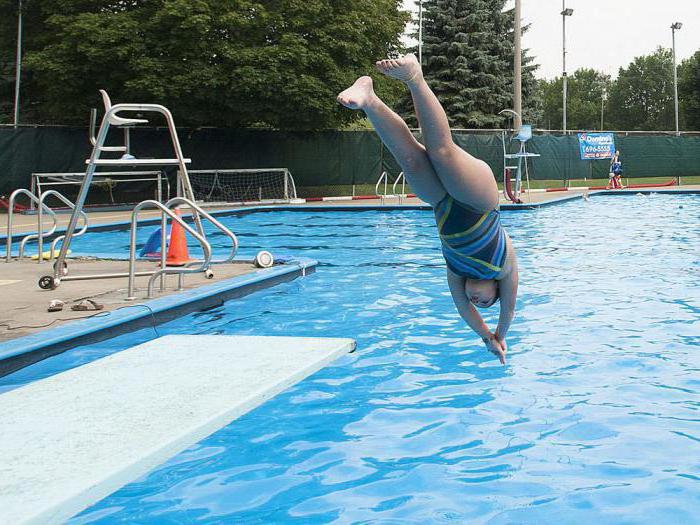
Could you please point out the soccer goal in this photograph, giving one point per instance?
(243, 185)
(114, 188)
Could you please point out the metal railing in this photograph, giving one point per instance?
(401, 178)
(40, 233)
(70, 205)
(203, 265)
(384, 177)
(223, 229)
(164, 269)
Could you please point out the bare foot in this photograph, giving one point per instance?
(406, 69)
(358, 95)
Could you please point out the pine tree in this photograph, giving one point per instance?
(468, 62)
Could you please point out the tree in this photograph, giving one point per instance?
(642, 96)
(584, 95)
(468, 62)
(212, 62)
(689, 92)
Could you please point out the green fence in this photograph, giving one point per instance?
(330, 158)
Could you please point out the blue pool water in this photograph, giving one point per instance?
(595, 418)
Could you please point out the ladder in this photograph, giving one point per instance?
(42, 211)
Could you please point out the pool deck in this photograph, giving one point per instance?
(71, 439)
(25, 305)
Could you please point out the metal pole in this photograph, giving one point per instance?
(602, 107)
(517, 73)
(18, 63)
(563, 59)
(675, 76)
(420, 32)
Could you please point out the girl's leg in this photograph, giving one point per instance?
(466, 178)
(394, 132)
(396, 136)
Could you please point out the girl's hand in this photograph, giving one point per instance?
(502, 340)
(497, 348)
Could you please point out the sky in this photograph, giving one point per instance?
(605, 34)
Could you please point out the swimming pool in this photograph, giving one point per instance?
(595, 417)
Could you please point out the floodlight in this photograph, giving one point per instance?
(567, 12)
(676, 25)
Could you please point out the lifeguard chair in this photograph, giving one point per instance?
(516, 163)
(114, 120)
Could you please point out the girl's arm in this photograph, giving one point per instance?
(472, 317)
(508, 292)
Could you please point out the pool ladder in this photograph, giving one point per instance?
(42, 210)
(384, 178)
(194, 266)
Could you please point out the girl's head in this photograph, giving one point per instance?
(481, 292)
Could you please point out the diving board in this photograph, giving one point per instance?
(69, 440)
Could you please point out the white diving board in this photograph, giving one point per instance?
(70, 440)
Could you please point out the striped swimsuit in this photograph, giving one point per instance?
(473, 243)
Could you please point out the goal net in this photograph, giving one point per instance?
(107, 188)
(244, 185)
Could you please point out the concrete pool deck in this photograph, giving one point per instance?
(25, 305)
(73, 438)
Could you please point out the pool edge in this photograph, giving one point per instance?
(109, 226)
(21, 352)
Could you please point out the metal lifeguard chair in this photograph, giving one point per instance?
(516, 162)
(114, 120)
(185, 198)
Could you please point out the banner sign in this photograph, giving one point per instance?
(596, 145)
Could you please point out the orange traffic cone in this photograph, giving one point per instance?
(177, 249)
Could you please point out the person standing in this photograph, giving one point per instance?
(615, 175)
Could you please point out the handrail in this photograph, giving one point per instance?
(206, 247)
(401, 178)
(383, 177)
(39, 234)
(70, 205)
(216, 223)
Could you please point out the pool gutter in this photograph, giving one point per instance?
(24, 351)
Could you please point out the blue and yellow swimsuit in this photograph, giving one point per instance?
(473, 243)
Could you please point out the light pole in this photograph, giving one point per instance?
(564, 13)
(674, 27)
(517, 69)
(603, 98)
(420, 32)
(18, 63)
